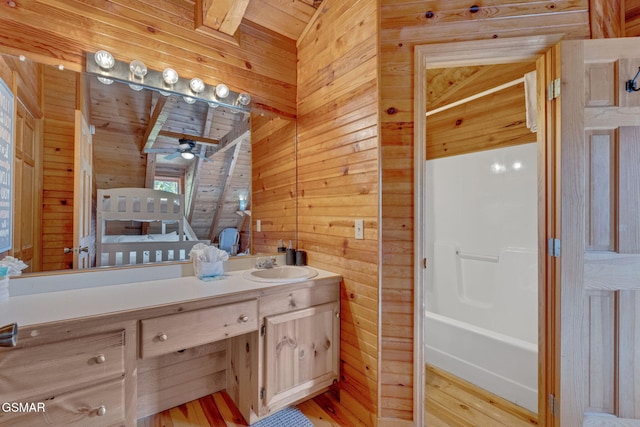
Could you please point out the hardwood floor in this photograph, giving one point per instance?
(450, 402)
(219, 411)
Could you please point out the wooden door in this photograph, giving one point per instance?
(599, 360)
(301, 354)
(27, 190)
(83, 188)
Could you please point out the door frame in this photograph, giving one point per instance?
(459, 54)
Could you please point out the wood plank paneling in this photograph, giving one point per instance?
(404, 24)
(337, 158)
(473, 127)
(273, 182)
(58, 134)
(161, 34)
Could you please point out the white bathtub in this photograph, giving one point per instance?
(481, 287)
(503, 365)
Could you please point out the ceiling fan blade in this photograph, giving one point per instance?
(160, 150)
(203, 157)
(172, 156)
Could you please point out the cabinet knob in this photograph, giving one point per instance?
(101, 411)
(244, 318)
(100, 359)
(163, 337)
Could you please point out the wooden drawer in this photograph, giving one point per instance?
(100, 405)
(298, 299)
(39, 370)
(175, 332)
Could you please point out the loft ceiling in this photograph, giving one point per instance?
(222, 17)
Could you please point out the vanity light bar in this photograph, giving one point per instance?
(153, 80)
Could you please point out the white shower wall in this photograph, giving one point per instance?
(481, 230)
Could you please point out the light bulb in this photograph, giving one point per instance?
(170, 76)
(196, 85)
(222, 91)
(105, 81)
(164, 93)
(104, 60)
(189, 100)
(137, 88)
(213, 104)
(188, 155)
(244, 99)
(138, 68)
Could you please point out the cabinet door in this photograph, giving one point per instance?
(301, 354)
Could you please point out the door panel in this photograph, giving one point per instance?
(600, 234)
(83, 190)
(27, 187)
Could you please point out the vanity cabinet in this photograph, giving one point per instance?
(296, 353)
(301, 354)
(269, 346)
(64, 376)
(174, 332)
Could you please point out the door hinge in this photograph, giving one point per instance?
(262, 393)
(553, 90)
(263, 330)
(552, 402)
(424, 263)
(553, 247)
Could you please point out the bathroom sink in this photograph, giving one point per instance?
(282, 274)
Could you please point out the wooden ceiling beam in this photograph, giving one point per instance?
(197, 167)
(223, 15)
(197, 138)
(156, 121)
(225, 189)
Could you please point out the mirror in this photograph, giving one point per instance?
(127, 123)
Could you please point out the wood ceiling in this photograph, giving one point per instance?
(288, 18)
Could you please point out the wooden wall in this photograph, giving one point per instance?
(273, 182)
(337, 159)
(59, 105)
(472, 127)
(160, 33)
(404, 25)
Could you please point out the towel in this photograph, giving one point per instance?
(531, 100)
(208, 261)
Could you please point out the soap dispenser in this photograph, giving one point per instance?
(291, 255)
(281, 248)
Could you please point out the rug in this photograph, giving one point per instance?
(288, 417)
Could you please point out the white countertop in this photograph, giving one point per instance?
(37, 308)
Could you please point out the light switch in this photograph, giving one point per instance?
(258, 225)
(359, 229)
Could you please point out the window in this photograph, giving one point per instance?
(169, 184)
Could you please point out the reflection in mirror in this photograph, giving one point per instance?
(136, 141)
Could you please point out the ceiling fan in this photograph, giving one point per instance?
(184, 149)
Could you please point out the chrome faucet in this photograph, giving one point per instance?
(266, 262)
(9, 335)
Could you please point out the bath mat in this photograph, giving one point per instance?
(288, 417)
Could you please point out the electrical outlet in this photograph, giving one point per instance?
(258, 225)
(360, 229)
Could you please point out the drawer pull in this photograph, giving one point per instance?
(101, 411)
(100, 359)
(244, 318)
(163, 337)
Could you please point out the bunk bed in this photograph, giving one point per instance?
(141, 225)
